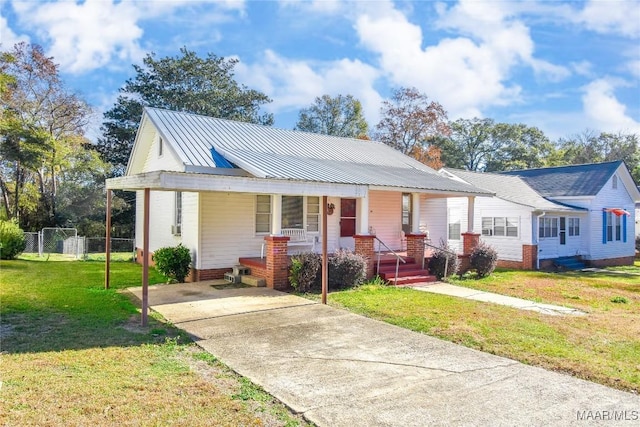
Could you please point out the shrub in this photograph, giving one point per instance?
(638, 243)
(173, 262)
(439, 261)
(483, 259)
(12, 240)
(304, 271)
(346, 269)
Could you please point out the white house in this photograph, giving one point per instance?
(540, 215)
(236, 192)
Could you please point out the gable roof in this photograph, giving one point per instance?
(509, 188)
(573, 180)
(267, 152)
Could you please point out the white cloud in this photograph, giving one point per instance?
(465, 73)
(85, 36)
(604, 110)
(613, 16)
(294, 84)
(7, 37)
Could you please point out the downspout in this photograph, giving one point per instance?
(537, 239)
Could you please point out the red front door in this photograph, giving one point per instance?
(347, 217)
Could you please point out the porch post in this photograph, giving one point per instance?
(107, 248)
(415, 213)
(325, 260)
(145, 257)
(470, 213)
(362, 212)
(276, 214)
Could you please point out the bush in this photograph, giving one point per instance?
(12, 240)
(346, 269)
(439, 261)
(173, 262)
(638, 243)
(304, 271)
(483, 259)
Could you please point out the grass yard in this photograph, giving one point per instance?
(603, 346)
(73, 354)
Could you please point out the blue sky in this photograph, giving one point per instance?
(561, 66)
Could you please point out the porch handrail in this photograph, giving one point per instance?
(446, 261)
(398, 258)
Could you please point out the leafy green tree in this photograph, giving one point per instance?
(43, 123)
(593, 147)
(484, 145)
(410, 122)
(339, 116)
(187, 83)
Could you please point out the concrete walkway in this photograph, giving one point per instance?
(474, 294)
(341, 369)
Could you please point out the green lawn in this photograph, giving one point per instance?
(74, 353)
(603, 346)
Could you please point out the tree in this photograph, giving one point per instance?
(183, 83)
(592, 147)
(42, 125)
(339, 116)
(410, 121)
(484, 145)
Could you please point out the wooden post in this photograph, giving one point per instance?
(107, 246)
(145, 258)
(325, 261)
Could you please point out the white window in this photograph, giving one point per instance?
(500, 226)
(614, 182)
(313, 213)
(454, 224)
(177, 214)
(574, 226)
(295, 213)
(548, 227)
(263, 213)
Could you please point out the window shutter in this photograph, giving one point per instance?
(624, 228)
(604, 227)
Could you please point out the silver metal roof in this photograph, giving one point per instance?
(510, 188)
(268, 152)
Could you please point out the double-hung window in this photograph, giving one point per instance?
(454, 224)
(500, 226)
(548, 227)
(297, 212)
(574, 226)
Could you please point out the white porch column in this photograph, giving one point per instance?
(470, 213)
(276, 214)
(362, 215)
(415, 213)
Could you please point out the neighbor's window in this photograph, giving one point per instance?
(160, 147)
(548, 227)
(574, 226)
(614, 227)
(263, 213)
(292, 211)
(614, 182)
(500, 226)
(618, 226)
(313, 213)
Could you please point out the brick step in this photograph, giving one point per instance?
(408, 280)
(388, 275)
(258, 282)
(392, 267)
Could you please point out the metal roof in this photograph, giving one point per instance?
(510, 188)
(574, 180)
(268, 152)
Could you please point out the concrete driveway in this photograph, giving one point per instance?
(341, 369)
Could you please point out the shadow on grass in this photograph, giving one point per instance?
(55, 306)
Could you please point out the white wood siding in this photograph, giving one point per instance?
(611, 198)
(385, 217)
(509, 248)
(433, 219)
(161, 218)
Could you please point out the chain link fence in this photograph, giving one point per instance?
(65, 243)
